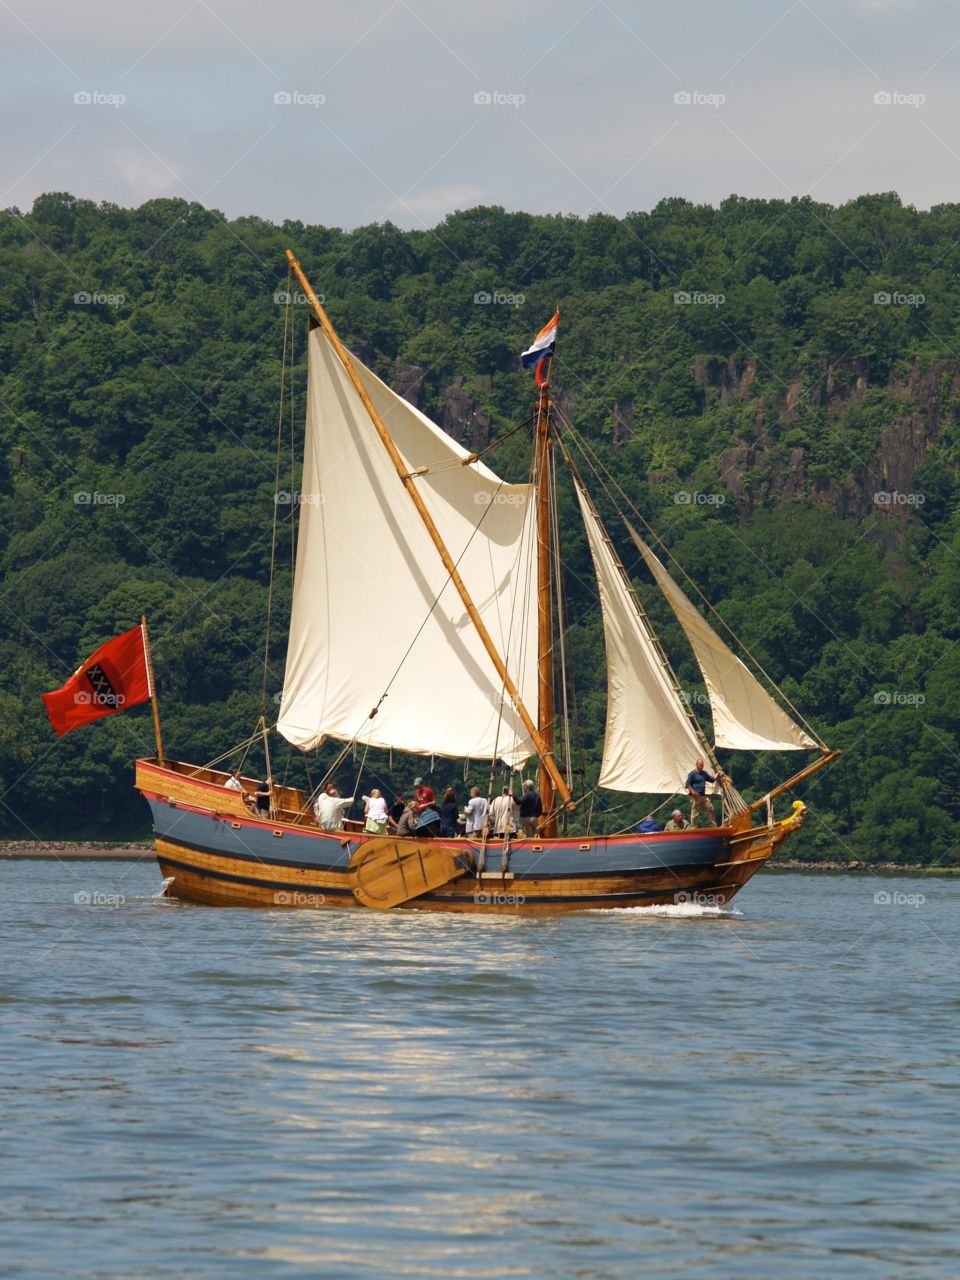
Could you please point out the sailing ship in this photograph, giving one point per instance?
(425, 620)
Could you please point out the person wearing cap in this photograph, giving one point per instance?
(677, 822)
(423, 796)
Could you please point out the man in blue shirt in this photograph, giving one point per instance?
(696, 785)
(531, 809)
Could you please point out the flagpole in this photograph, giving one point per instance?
(152, 686)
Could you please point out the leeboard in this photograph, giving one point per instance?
(385, 873)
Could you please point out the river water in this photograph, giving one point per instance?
(194, 1092)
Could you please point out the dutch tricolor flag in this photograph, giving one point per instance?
(541, 349)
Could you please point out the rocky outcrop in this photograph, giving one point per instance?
(460, 417)
(408, 382)
(761, 470)
(724, 379)
(621, 431)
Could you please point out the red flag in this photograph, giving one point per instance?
(112, 679)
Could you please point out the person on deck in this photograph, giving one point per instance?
(407, 822)
(330, 808)
(476, 813)
(233, 783)
(423, 795)
(648, 825)
(501, 814)
(428, 822)
(449, 813)
(700, 802)
(375, 812)
(531, 808)
(264, 797)
(397, 810)
(677, 822)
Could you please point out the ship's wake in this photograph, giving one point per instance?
(689, 910)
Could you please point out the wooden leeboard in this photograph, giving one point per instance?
(384, 873)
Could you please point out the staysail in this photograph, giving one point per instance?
(650, 744)
(373, 609)
(745, 717)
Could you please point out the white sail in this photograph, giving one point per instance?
(745, 717)
(650, 744)
(373, 610)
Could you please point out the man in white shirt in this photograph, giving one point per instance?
(476, 811)
(233, 783)
(330, 808)
(501, 814)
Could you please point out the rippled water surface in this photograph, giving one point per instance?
(192, 1092)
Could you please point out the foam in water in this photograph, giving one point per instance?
(164, 886)
(677, 910)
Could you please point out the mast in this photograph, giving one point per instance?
(409, 483)
(548, 825)
(148, 660)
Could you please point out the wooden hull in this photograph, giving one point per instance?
(215, 851)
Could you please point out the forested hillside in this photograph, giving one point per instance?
(775, 384)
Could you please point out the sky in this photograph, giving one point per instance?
(407, 110)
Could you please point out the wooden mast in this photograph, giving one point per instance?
(148, 659)
(409, 484)
(548, 825)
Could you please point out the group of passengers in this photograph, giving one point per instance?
(422, 815)
(504, 817)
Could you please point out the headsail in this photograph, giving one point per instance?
(650, 743)
(745, 717)
(373, 609)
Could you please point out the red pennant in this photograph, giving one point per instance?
(112, 679)
(541, 378)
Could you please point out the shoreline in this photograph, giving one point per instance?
(102, 850)
(74, 850)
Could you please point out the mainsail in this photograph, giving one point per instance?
(650, 744)
(373, 609)
(745, 717)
